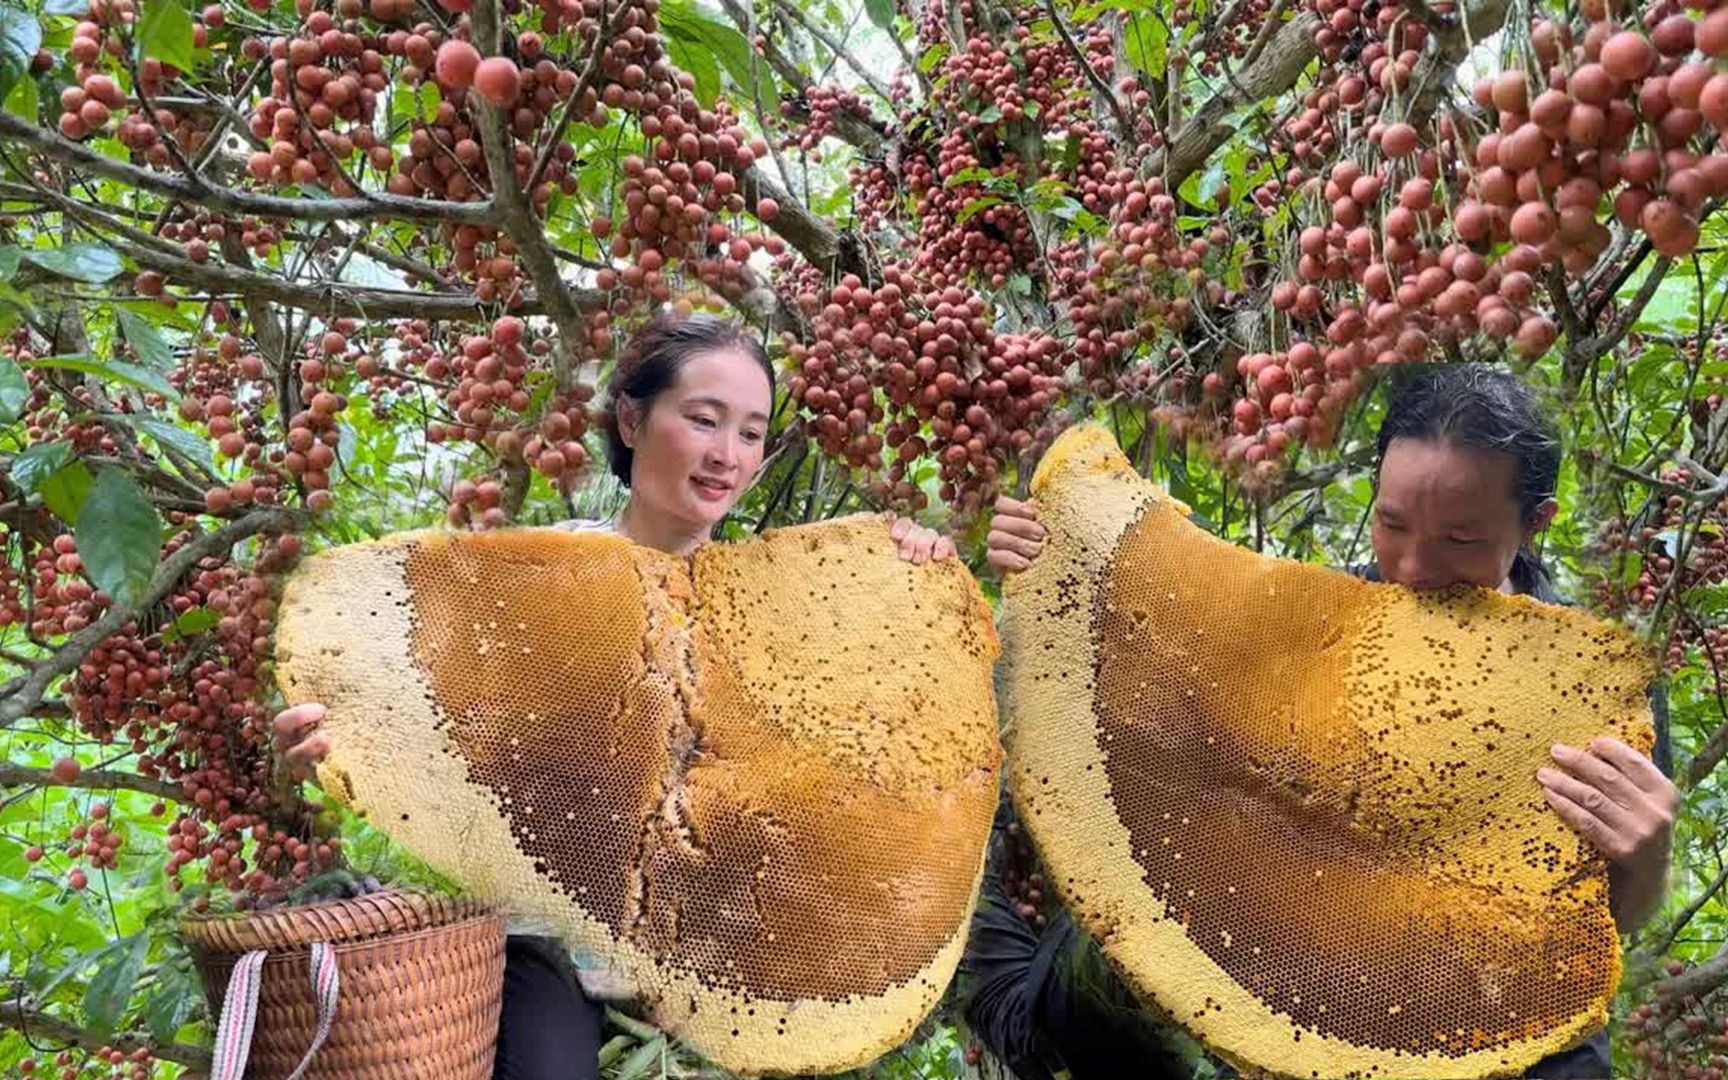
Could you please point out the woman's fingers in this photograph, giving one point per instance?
(945, 548)
(1006, 561)
(292, 725)
(1006, 507)
(1025, 547)
(1638, 769)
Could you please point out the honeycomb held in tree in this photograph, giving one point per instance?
(753, 786)
(1299, 810)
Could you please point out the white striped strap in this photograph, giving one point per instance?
(240, 1011)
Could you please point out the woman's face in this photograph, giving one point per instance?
(1446, 515)
(700, 442)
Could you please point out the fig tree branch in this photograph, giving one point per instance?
(20, 133)
(513, 210)
(810, 27)
(1124, 128)
(1685, 917)
(20, 696)
(24, 776)
(26, 1017)
(1709, 755)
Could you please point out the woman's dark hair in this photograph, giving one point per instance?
(1478, 407)
(650, 364)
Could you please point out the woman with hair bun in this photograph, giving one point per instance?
(686, 421)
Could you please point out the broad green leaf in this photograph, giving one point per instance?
(931, 57)
(1146, 41)
(14, 391)
(189, 443)
(699, 29)
(144, 339)
(427, 99)
(191, 621)
(975, 174)
(647, 1056)
(111, 987)
(23, 101)
(115, 370)
(881, 13)
(20, 37)
(174, 1000)
(701, 65)
(974, 207)
(165, 32)
(93, 263)
(9, 259)
(63, 492)
(119, 536)
(38, 463)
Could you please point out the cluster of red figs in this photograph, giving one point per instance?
(105, 1063)
(1676, 1036)
(811, 117)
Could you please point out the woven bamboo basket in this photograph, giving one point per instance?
(422, 978)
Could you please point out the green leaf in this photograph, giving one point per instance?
(171, 1004)
(165, 32)
(701, 65)
(14, 391)
(20, 37)
(191, 621)
(932, 56)
(881, 13)
(111, 987)
(189, 443)
(23, 101)
(63, 492)
(692, 24)
(975, 174)
(119, 536)
(93, 263)
(1146, 41)
(144, 339)
(646, 1057)
(427, 99)
(38, 463)
(115, 370)
(9, 259)
(972, 208)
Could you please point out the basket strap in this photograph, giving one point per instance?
(326, 988)
(240, 1011)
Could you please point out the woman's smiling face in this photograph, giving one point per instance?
(700, 442)
(1446, 515)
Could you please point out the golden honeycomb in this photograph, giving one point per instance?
(1298, 810)
(752, 786)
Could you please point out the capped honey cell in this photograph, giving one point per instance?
(1300, 808)
(752, 786)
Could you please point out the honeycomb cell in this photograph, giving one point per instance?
(1300, 810)
(753, 786)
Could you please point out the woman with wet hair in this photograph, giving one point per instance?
(686, 422)
(1465, 478)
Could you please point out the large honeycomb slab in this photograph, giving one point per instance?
(753, 787)
(1299, 810)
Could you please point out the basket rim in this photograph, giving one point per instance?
(297, 953)
(388, 914)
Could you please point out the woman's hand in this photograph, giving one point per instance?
(916, 544)
(1618, 800)
(1016, 537)
(298, 740)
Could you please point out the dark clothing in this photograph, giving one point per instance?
(547, 1029)
(1024, 1001)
